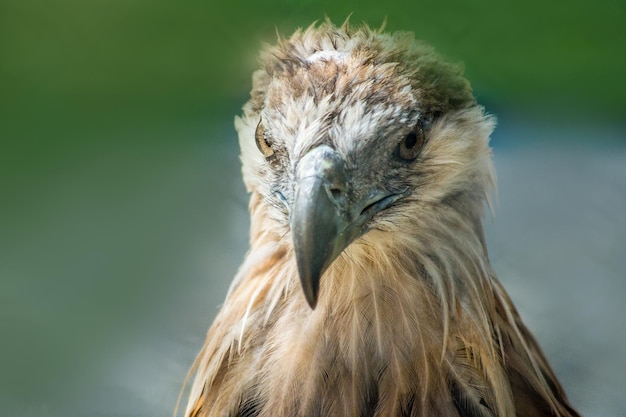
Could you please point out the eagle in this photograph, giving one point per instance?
(367, 289)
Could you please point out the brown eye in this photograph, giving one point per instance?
(261, 141)
(411, 145)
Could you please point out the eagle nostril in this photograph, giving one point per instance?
(336, 193)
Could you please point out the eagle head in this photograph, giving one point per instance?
(368, 163)
(355, 137)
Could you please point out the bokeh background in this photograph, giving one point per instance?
(123, 216)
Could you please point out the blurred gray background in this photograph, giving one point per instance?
(123, 217)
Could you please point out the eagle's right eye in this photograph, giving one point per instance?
(262, 142)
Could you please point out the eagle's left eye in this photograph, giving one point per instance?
(262, 141)
(411, 145)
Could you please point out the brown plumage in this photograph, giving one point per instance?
(367, 289)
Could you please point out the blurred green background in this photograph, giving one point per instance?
(119, 172)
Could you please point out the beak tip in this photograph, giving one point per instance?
(312, 302)
(310, 288)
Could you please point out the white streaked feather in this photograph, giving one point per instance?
(326, 56)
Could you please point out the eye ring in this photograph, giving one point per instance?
(411, 145)
(260, 137)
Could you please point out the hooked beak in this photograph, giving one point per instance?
(324, 219)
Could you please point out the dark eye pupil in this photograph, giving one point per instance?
(411, 140)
